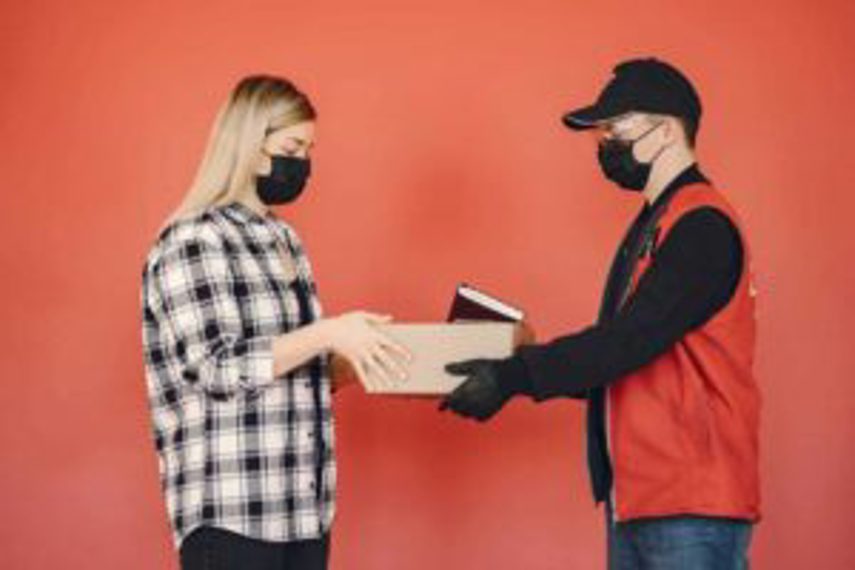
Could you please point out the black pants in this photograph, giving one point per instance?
(209, 548)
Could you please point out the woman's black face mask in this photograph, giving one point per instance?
(286, 181)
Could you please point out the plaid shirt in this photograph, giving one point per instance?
(237, 447)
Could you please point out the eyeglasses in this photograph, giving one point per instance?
(605, 132)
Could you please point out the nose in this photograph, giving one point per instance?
(600, 136)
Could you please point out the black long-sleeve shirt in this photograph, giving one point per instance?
(693, 274)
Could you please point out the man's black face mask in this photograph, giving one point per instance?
(619, 164)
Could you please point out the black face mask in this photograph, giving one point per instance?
(620, 165)
(287, 178)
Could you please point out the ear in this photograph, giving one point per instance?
(666, 132)
(262, 164)
(674, 131)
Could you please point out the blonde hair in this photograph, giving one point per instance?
(258, 104)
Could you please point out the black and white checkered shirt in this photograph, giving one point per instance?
(237, 447)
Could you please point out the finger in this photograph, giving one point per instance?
(377, 318)
(382, 382)
(392, 363)
(463, 368)
(467, 400)
(452, 399)
(364, 376)
(379, 371)
(373, 379)
(458, 402)
(372, 375)
(391, 371)
(461, 408)
(399, 349)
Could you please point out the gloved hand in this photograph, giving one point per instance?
(487, 388)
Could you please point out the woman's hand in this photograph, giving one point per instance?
(378, 361)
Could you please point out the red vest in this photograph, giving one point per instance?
(683, 430)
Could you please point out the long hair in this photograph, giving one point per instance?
(258, 104)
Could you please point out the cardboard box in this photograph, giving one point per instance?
(435, 345)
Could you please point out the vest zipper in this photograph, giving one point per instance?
(612, 491)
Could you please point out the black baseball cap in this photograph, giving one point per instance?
(643, 85)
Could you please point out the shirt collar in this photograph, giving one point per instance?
(240, 212)
(691, 175)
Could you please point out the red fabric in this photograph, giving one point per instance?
(683, 430)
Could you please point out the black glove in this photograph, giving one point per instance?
(487, 388)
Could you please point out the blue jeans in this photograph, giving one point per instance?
(679, 543)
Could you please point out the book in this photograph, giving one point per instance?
(471, 304)
(434, 345)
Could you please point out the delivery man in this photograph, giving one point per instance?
(673, 405)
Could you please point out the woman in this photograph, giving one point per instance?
(237, 353)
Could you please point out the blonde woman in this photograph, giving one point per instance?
(237, 353)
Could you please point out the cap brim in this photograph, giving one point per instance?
(586, 117)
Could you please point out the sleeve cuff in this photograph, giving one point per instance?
(254, 360)
(513, 376)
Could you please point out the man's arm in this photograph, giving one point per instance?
(693, 275)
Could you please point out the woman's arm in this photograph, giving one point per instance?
(357, 347)
(188, 291)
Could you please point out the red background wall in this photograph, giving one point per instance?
(441, 158)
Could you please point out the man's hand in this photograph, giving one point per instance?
(481, 395)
